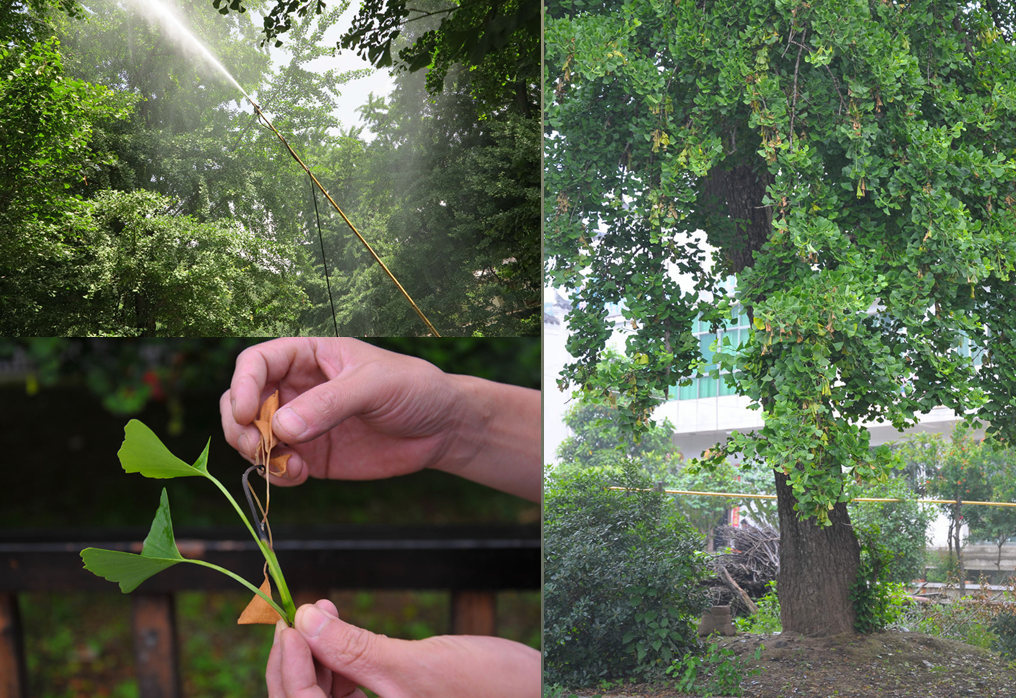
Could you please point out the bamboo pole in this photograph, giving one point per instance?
(352, 227)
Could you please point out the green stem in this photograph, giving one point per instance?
(282, 614)
(273, 563)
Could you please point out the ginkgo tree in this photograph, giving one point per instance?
(852, 165)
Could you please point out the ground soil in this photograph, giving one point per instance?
(886, 665)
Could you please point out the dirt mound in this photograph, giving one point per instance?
(883, 665)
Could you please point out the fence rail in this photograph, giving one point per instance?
(471, 563)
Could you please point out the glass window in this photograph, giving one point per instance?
(707, 387)
(726, 389)
(706, 341)
(688, 392)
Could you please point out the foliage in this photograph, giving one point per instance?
(598, 439)
(1003, 625)
(724, 671)
(142, 452)
(48, 121)
(766, 619)
(877, 602)
(460, 224)
(965, 620)
(998, 524)
(900, 528)
(965, 468)
(621, 580)
(840, 157)
(497, 42)
(708, 512)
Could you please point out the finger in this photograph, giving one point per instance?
(344, 688)
(358, 390)
(243, 438)
(256, 368)
(273, 670)
(360, 656)
(341, 686)
(299, 676)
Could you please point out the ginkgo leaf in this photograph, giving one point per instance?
(142, 452)
(258, 610)
(158, 552)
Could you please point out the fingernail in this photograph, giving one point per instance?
(290, 421)
(310, 620)
(279, 625)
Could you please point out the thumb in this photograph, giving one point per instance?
(365, 658)
(319, 409)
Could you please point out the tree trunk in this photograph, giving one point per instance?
(817, 567)
(957, 541)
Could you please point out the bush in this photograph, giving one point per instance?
(622, 580)
(877, 602)
(767, 618)
(1003, 625)
(900, 527)
(964, 620)
(716, 673)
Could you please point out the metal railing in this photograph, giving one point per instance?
(471, 563)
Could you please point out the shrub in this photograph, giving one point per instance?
(877, 602)
(716, 673)
(622, 580)
(1003, 625)
(899, 526)
(767, 618)
(964, 620)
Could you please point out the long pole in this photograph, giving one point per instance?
(744, 495)
(268, 123)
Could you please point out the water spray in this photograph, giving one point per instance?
(168, 19)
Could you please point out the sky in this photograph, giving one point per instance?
(354, 93)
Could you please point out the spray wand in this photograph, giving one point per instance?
(268, 123)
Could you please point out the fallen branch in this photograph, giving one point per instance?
(735, 587)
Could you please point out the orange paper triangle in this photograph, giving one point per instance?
(258, 610)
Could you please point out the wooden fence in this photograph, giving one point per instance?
(472, 564)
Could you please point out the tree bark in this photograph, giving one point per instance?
(818, 565)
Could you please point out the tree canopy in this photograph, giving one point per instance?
(103, 111)
(850, 164)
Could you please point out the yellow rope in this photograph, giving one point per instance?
(366, 244)
(746, 495)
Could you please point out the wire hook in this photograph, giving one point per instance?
(258, 519)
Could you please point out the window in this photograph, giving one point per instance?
(737, 329)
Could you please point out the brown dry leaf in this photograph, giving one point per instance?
(264, 421)
(278, 464)
(258, 610)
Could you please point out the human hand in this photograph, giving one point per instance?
(323, 656)
(353, 411)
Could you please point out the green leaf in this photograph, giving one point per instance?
(128, 569)
(143, 452)
(160, 542)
